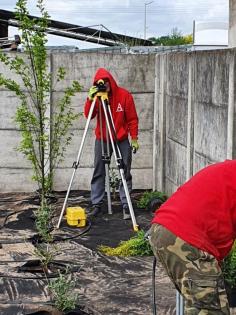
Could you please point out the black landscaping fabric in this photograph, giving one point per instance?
(105, 285)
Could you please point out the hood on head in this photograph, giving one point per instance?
(104, 74)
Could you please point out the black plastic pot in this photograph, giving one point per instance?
(154, 204)
(231, 294)
(35, 266)
(77, 311)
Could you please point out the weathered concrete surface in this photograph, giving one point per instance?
(232, 23)
(192, 127)
(190, 123)
(134, 72)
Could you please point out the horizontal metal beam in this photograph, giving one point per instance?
(92, 35)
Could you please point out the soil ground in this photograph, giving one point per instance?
(105, 285)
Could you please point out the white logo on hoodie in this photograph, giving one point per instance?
(119, 108)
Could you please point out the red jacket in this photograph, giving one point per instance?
(202, 212)
(122, 108)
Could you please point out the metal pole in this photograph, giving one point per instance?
(108, 189)
(179, 304)
(115, 151)
(106, 159)
(145, 12)
(75, 164)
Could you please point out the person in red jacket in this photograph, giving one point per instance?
(125, 120)
(193, 231)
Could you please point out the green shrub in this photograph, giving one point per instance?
(135, 246)
(114, 181)
(148, 196)
(62, 290)
(229, 268)
(43, 216)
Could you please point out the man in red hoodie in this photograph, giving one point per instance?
(126, 125)
(193, 231)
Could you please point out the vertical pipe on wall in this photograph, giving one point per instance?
(162, 123)
(231, 109)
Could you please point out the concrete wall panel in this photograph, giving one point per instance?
(210, 131)
(175, 163)
(196, 128)
(8, 106)
(16, 180)
(9, 156)
(135, 73)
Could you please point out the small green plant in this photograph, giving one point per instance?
(114, 181)
(43, 215)
(62, 290)
(148, 196)
(135, 246)
(229, 268)
(46, 254)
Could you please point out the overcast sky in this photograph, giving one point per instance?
(127, 16)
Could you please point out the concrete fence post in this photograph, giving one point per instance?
(162, 122)
(190, 149)
(155, 124)
(231, 108)
(190, 122)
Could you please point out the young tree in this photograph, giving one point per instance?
(44, 140)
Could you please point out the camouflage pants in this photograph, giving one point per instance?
(195, 273)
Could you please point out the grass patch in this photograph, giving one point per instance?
(135, 246)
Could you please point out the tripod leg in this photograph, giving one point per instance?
(106, 158)
(116, 151)
(108, 189)
(76, 164)
(131, 210)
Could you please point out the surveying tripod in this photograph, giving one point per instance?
(102, 97)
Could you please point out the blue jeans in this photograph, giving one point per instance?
(99, 174)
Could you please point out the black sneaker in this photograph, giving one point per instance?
(126, 213)
(94, 211)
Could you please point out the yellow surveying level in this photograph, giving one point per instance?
(76, 216)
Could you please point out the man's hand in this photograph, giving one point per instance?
(134, 145)
(92, 92)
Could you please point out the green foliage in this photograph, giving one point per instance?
(135, 246)
(174, 39)
(148, 196)
(229, 268)
(45, 254)
(62, 290)
(43, 141)
(114, 181)
(43, 216)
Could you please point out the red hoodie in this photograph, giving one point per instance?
(202, 212)
(122, 108)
